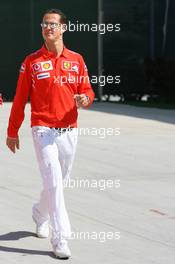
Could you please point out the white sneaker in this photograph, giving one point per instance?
(61, 250)
(42, 230)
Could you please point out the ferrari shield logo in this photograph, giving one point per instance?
(66, 65)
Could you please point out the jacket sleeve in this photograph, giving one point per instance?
(84, 86)
(20, 99)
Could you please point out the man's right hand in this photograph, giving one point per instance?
(12, 144)
(1, 101)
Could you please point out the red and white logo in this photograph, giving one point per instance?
(42, 66)
(23, 66)
(37, 67)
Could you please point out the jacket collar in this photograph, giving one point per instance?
(49, 54)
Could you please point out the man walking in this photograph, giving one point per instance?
(56, 80)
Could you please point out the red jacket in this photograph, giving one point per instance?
(50, 83)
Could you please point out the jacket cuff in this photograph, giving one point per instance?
(13, 133)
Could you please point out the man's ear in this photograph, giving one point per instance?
(63, 28)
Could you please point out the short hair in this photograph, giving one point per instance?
(63, 18)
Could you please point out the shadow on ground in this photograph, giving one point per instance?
(16, 235)
(27, 251)
(162, 115)
(19, 235)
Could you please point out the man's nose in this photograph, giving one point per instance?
(48, 26)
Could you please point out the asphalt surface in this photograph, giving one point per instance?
(125, 211)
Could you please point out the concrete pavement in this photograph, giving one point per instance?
(142, 209)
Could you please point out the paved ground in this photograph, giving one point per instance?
(142, 209)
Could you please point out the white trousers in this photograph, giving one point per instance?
(55, 154)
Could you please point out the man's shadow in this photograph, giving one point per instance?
(18, 235)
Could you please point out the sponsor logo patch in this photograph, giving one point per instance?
(75, 68)
(42, 66)
(70, 66)
(85, 67)
(66, 65)
(46, 65)
(23, 66)
(43, 75)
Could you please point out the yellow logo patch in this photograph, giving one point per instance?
(66, 65)
(46, 65)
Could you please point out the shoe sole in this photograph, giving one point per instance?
(61, 257)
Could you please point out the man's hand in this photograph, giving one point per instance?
(1, 101)
(82, 100)
(12, 144)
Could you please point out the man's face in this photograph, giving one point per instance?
(51, 29)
